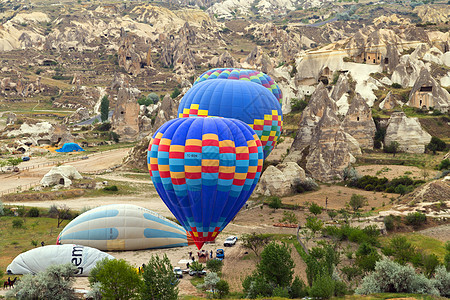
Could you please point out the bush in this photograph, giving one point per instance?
(222, 288)
(322, 287)
(444, 165)
(2, 211)
(298, 289)
(274, 202)
(280, 292)
(105, 126)
(436, 144)
(214, 265)
(315, 209)
(402, 250)
(112, 188)
(391, 277)
(33, 212)
(396, 85)
(416, 219)
(298, 105)
(175, 93)
(17, 223)
(153, 97)
(442, 281)
(389, 222)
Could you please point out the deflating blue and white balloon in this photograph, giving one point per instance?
(123, 227)
(38, 259)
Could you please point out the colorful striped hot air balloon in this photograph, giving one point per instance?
(205, 169)
(123, 227)
(250, 103)
(246, 75)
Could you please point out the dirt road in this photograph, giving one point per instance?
(94, 163)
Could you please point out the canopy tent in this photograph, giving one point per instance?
(70, 147)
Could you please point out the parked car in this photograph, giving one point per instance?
(25, 158)
(220, 254)
(178, 272)
(230, 241)
(198, 273)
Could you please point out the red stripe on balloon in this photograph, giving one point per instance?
(242, 156)
(179, 155)
(239, 182)
(192, 148)
(227, 150)
(179, 181)
(208, 169)
(210, 143)
(226, 176)
(193, 175)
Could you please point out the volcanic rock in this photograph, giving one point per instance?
(407, 132)
(260, 60)
(391, 58)
(125, 120)
(130, 57)
(225, 60)
(80, 114)
(329, 152)
(359, 123)
(62, 175)
(390, 102)
(427, 92)
(11, 118)
(280, 180)
(137, 156)
(407, 71)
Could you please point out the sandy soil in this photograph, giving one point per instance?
(96, 162)
(338, 196)
(392, 171)
(439, 232)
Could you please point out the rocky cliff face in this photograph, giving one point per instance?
(225, 60)
(259, 59)
(407, 132)
(125, 118)
(359, 123)
(311, 116)
(280, 180)
(407, 71)
(427, 92)
(329, 150)
(131, 58)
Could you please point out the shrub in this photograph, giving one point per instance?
(222, 288)
(416, 219)
(436, 144)
(2, 211)
(175, 93)
(444, 165)
(17, 223)
(105, 126)
(357, 202)
(389, 222)
(402, 250)
(442, 281)
(396, 85)
(323, 287)
(391, 277)
(298, 105)
(289, 217)
(274, 202)
(315, 209)
(280, 292)
(214, 265)
(33, 212)
(298, 288)
(112, 188)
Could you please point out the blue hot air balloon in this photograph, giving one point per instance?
(243, 74)
(251, 103)
(205, 169)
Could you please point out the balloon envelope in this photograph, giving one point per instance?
(39, 259)
(243, 74)
(123, 227)
(204, 169)
(237, 99)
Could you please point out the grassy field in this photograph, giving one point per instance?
(428, 161)
(423, 243)
(14, 241)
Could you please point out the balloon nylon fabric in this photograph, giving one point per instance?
(250, 103)
(243, 74)
(205, 169)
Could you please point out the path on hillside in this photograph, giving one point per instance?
(97, 162)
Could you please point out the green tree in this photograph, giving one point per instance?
(255, 242)
(315, 209)
(160, 281)
(447, 256)
(357, 201)
(276, 264)
(366, 257)
(196, 267)
(222, 288)
(274, 202)
(53, 283)
(392, 148)
(153, 97)
(104, 108)
(400, 249)
(13, 161)
(436, 144)
(175, 93)
(210, 282)
(214, 265)
(119, 280)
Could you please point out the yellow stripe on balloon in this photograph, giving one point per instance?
(193, 169)
(224, 169)
(177, 175)
(210, 136)
(210, 162)
(240, 176)
(165, 142)
(193, 142)
(226, 143)
(241, 149)
(176, 148)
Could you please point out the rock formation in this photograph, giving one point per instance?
(62, 175)
(407, 132)
(340, 94)
(311, 116)
(407, 71)
(329, 152)
(125, 121)
(130, 57)
(80, 114)
(280, 180)
(42, 133)
(390, 102)
(225, 60)
(137, 156)
(11, 118)
(391, 58)
(166, 112)
(260, 60)
(359, 123)
(426, 92)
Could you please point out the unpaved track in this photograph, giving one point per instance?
(97, 162)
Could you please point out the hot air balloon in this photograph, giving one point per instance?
(204, 169)
(123, 227)
(237, 99)
(243, 74)
(39, 259)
